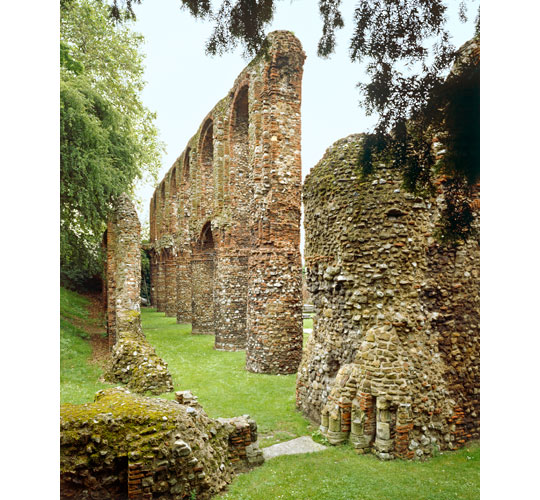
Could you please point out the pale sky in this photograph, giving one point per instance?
(184, 84)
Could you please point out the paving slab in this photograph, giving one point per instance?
(299, 445)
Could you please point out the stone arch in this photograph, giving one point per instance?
(202, 269)
(173, 201)
(206, 168)
(173, 182)
(187, 160)
(243, 174)
(162, 217)
(239, 175)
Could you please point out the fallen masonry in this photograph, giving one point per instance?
(225, 220)
(392, 364)
(128, 446)
(133, 360)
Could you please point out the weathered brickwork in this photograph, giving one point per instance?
(393, 361)
(125, 446)
(225, 220)
(133, 360)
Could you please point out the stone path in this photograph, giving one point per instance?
(302, 444)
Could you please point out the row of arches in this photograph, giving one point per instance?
(231, 244)
(199, 185)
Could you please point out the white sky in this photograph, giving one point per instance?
(184, 84)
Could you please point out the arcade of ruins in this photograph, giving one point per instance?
(392, 364)
(225, 220)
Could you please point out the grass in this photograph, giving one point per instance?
(339, 474)
(226, 389)
(79, 380)
(219, 379)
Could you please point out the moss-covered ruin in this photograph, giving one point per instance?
(127, 446)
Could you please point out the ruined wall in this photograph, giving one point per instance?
(133, 360)
(125, 446)
(225, 220)
(393, 360)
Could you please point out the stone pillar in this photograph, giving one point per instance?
(183, 287)
(124, 266)
(170, 283)
(202, 269)
(133, 360)
(111, 283)
(363, 421)
(274, 321)
(231, 299)
(152, 279)
(385, 431)
(160, 284)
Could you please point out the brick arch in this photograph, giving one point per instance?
(186, 166)
(239, 152)
(205, 242)
(203, 266)
(206, 168)
(173, 182)
(243, 173)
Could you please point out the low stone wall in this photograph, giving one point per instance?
(393, 361)
(127, 446)
(133, 360)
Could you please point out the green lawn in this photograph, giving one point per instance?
(78, 378)
(220, 381)
(226, 389)
(339, 474)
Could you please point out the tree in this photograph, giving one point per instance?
(107, 137)
(405, 46)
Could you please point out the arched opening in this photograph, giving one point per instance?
(187, 159)
(239, 182)
(206, 156)
(241, 115)
(232, 271)
(239, 132)
(206, 241)
(173, 181)
(202, 271)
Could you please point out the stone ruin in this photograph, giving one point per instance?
(225, 220)
(133, 360)
(392, 364)
(127, 446)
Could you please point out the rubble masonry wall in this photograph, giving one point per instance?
(393, 361)
(133, 360)
(225, 220)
